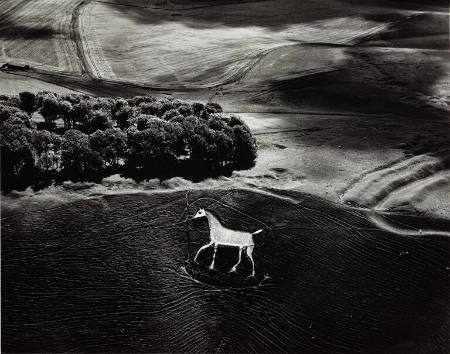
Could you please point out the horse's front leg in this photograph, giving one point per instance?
(201, 249)
(214, 257)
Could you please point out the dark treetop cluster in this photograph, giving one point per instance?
(47, 137)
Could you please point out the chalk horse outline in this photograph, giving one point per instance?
(221, 235)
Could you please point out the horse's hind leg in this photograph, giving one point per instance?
(201, 249)
(214, 257)
(249, 254)
(240, 257)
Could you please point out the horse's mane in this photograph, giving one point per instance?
(215, 216)
(212, 213)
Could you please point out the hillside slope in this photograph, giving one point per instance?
(115, 273)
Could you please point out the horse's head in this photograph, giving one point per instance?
(200, 214)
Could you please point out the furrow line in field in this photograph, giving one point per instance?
(90, 47)
(75, 34)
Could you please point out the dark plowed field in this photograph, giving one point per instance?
(115, 274)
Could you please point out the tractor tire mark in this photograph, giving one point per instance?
(96, 62)
(75, 36)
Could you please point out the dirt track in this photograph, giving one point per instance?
(75, 35)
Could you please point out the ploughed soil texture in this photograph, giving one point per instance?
(116, 273)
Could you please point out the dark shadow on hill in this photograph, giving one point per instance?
(377, 80)
(273, 15)
(107, 273)
(423, 31)
(414, 5)
(268, 14)
(366, 85)
(11, 28)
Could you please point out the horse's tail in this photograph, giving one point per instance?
(257, 232)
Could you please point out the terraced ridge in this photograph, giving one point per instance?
(375, 186)
(404, 184)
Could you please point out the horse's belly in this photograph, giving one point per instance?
(236, 241)
(235, 244)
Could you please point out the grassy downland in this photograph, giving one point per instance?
(327, 280)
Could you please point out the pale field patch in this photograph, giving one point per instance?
(350, 158)
(14, 84)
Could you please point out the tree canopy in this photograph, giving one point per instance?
(84, 135)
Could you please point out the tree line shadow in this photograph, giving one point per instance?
(195, 171)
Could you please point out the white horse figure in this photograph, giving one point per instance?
(220, 235)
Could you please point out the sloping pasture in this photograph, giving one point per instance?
(115, 273)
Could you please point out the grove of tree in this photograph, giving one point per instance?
(48, 136)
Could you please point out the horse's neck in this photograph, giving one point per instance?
(213, 222)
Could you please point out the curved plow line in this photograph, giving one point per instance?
(91, 50)
(185, 275)
(69, 60)
(242, 67)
